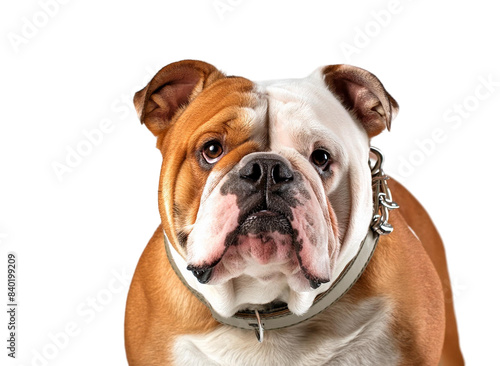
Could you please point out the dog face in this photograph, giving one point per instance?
(265, 188)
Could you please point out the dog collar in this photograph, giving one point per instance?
(282, 317)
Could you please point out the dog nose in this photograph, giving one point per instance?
(267, 172)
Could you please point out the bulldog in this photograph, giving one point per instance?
(270, 249)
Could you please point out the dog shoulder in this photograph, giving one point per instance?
(403, 271)
(153, 318)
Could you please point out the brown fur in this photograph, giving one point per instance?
(418, 219)
(412, 273)
(222, 104)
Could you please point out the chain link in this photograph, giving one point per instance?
(382, 199)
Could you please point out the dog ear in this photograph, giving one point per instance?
(361, 93)
(170, 90)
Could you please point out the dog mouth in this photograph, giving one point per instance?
(262, 221)
(270, 238)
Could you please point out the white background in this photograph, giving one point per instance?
(67, 67)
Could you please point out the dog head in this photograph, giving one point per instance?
(265, 188)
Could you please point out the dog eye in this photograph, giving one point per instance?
(212, 151)
(321, 159)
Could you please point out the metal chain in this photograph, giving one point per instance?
(382, 199)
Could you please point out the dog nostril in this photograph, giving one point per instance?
(202, 275)
(314, 284)
(253, 172)
(281, 173)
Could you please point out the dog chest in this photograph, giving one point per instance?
(345, 334)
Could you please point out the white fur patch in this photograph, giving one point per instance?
(346, 334)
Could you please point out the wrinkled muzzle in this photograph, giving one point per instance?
(263, 220)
